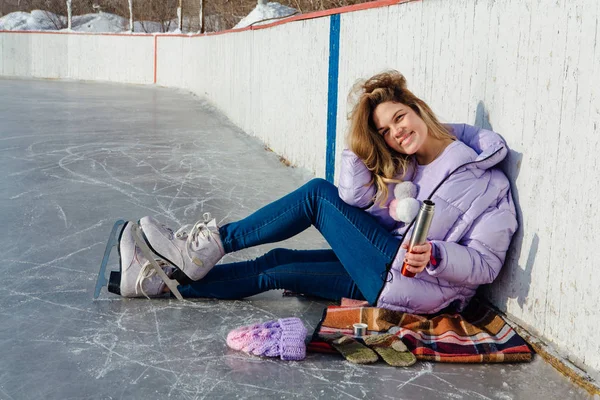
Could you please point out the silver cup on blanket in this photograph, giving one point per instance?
(421, 231)
(360, 329)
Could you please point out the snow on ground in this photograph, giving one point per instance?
(39, 20)
(101, 22)
(265, 11)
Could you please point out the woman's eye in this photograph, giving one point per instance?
(399, 117)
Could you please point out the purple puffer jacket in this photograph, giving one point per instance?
(472, 227)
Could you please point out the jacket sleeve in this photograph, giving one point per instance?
(355, 189)
(355, 186)
(478, 257)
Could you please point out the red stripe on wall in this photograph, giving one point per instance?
(155, 55)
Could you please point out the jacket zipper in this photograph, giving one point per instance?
(388, 266)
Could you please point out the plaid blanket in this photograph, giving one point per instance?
(477, 335)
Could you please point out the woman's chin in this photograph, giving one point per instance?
(407, 151)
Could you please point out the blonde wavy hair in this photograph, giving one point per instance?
(363, 139)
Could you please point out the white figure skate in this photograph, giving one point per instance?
(193, 249)
(141, 272)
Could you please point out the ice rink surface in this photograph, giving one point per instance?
(75, 157)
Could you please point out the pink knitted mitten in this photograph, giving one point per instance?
(282, 338)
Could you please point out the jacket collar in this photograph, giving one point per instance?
(489, 146)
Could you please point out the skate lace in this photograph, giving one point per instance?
(146, 272)
(193, 232)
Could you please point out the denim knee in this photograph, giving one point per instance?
(319, 185)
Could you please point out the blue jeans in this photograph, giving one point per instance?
(354, 267)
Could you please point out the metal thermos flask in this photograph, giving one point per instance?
(421, 230)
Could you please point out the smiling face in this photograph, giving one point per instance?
(400, 126)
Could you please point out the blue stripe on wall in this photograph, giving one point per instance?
(332, 94)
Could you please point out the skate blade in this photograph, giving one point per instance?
(113, 240)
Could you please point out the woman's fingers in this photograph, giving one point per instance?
(415, 270)
(418, 258)
(421, 248)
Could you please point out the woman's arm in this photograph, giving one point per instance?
(479, 255)
(355, 186)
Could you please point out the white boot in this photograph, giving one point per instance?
(194, 249)
(142, 273)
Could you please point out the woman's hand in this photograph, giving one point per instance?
(419, 257)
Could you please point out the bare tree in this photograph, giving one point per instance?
(144, 12)
(161, 11)
(56, 10)
(201, 17)
(122, 8)
(69, 13)
(131, 24)
(8, 6)
(180, 15)
(52, 9)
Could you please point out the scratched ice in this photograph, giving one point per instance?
(74, 158)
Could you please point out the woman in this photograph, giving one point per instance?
(394, 138)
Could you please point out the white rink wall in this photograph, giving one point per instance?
(529, 69)
(270, 82)
(115, 58)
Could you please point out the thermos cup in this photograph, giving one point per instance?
(421, 230)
